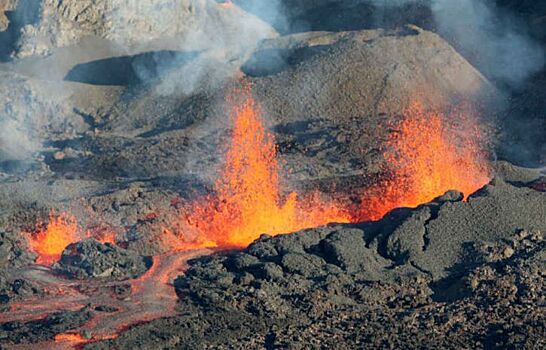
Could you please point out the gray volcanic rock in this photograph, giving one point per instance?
(286, 273)
(13, 251)
(479, 282)
(92, 259)
(328, 97)
(12, 289)
(14, 254)
(197, 23)
(44, 329)
(364, 73)
(438, 240)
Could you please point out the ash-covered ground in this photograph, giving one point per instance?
(115, 113)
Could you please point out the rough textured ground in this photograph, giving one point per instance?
(115, 155)
(361, 285)
(92, 259)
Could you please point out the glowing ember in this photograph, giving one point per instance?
(70, 337)
(102, 234)
(61, 230)
(427, 156)
(248, 200)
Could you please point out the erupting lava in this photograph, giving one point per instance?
(247, 200)
(427, 155)
(62, 230)
(50, 241)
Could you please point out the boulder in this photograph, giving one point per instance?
(91, 259)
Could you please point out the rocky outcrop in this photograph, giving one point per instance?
(444, 275)
(14, 254)
(91, 259)
(196, 24)
(438, 242)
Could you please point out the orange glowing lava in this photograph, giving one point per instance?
(70, 337)
(247, 198)
(427, 155)
(50, 241)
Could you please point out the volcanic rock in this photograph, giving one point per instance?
(14, 254)
(197, 24)
(16, 289)
(355, 282)
(92, 259)
(370, 76)
(45, 328)
(13, 251)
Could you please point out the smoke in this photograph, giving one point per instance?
(219, 32)
(15, 141)
(227, 38)
(33, 111)
(497, 40)
(493, 39)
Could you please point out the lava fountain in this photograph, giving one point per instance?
(428, 154)
(50, 240)
(248, 199)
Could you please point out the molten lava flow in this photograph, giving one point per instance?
(428, 155)
(248, 200)
(70, 337)
(61, 230)
(50, 242)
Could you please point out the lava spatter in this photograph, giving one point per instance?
(49, 240)
(428, 154)
(248, 199)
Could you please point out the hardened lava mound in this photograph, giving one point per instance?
(418, 277)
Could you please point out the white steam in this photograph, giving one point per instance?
(493, 39)
(220, 33)
(15, 142)
(496, 40)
